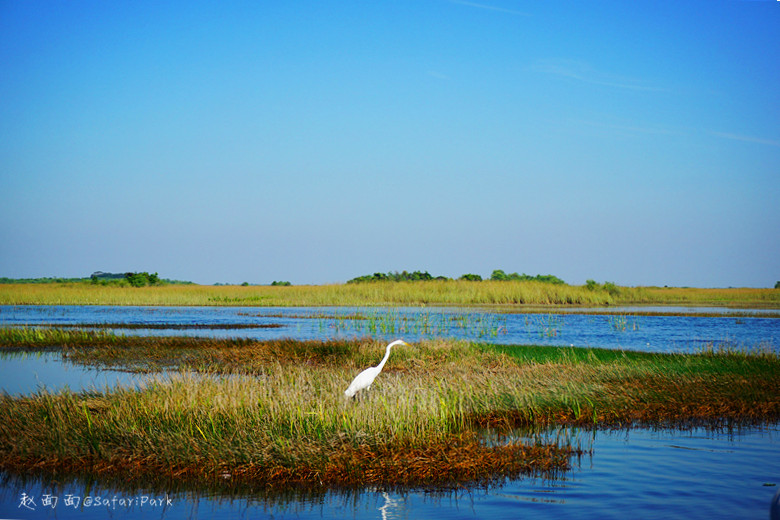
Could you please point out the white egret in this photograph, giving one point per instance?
(366, 377)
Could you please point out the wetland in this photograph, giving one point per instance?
(240, 406)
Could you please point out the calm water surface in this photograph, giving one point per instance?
(30, 372)
(638, 473)
(648, 333)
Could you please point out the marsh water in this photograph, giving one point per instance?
(639, 472)
(623, 328)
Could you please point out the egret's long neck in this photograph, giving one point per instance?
(384, 359)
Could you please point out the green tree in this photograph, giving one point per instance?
(471, 277)
(548, 278)
(499, 275)
(142, 279)
(136, 279)
(395, 276)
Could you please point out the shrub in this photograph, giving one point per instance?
(611, 288)
(142, 279)
(403, 276)
(501, 276)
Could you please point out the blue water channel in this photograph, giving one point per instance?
(623, 330)
(639, 473)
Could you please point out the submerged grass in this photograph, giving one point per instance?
(273, 413)
(439, 292)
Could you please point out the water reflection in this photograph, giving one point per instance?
(390, 508)
(32, 497)
(24, 373)
(644, 473)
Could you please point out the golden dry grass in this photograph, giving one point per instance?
(453, 292)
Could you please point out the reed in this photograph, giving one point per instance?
(287, 424)
(425, 324)
(273, 413)
(35, 337)
(437, 292)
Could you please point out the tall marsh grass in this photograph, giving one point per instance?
(286, 423)
(439, 292)
(36, 337)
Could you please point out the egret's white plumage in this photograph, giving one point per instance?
(366, 377)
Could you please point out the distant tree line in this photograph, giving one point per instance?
(132, 279)
(422, 276)
(100, 278)
(5, 279)
(501, 276)
(395, 276)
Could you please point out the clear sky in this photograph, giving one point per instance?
(315, 141)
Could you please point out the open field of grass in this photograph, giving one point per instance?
(451, 292)
(245, 413)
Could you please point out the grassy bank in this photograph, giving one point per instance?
(280, 418)
(451, 292)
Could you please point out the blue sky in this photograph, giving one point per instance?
(311, 141)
